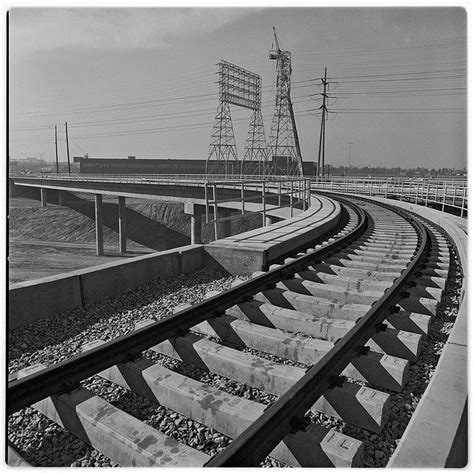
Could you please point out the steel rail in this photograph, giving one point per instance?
(287, 413)
(66, 375)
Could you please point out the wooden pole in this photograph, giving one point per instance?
(56, 144)
(67, 148)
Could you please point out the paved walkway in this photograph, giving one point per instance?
(277, 239)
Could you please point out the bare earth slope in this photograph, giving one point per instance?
(57, 239)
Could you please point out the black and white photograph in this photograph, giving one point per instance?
(236, 236)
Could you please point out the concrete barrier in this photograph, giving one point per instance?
(45, 297)
(192, 258)
(257, 249)
(119, 277)
(32, 300)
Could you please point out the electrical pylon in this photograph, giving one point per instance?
(222, 147)
(237, 86)
(284, 148)
(255, 160)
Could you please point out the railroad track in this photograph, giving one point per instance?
(327, 337)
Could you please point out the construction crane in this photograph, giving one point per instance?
(283, 58)
(284, 143)
(273, 54)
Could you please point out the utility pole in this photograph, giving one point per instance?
(350, 143)
(56, 143)
(67, 148)
(322, 133)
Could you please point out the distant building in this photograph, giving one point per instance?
(131, 165)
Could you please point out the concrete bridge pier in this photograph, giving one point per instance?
(99, 225)
(122, 224)
(13, 190)
(269, 220)
(225, 227)
(44, 197)
(195, 212)
(62, 197)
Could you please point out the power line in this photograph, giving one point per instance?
(404, 79)
(141, 118)
(456, 42)
(398, 112)
(408, 90)
(439, 71)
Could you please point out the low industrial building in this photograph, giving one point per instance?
(131, 165)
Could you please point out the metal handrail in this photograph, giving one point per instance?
(298, 196)
(180, 177)
(425, 192)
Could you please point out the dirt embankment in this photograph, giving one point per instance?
(69, 232)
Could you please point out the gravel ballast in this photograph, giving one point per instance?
(52, 340)
(43, 443)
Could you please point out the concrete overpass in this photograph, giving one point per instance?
(276, 199)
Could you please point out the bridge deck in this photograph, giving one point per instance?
(265, 245)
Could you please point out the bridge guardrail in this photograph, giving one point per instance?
(288, 192)
(159, 177)
(298, 192)
(442, 193)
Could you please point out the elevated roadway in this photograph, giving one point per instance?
(277, 200)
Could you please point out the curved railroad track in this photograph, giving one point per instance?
(322, 348)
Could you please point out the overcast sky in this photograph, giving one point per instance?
(142, 81)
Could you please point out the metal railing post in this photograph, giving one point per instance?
(463, 202)
(242, 197)
(444, 200)
(206, 197)
(291, 198)
(309, 193)
(264, 215)
(279, 193)
(427, 195)
(214, 186)
(305, 194)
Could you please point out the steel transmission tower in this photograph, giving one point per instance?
(237, 86)
(256, 152)
(284, 147)
(222, 149)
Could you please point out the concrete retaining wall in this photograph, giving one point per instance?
(33, 300)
